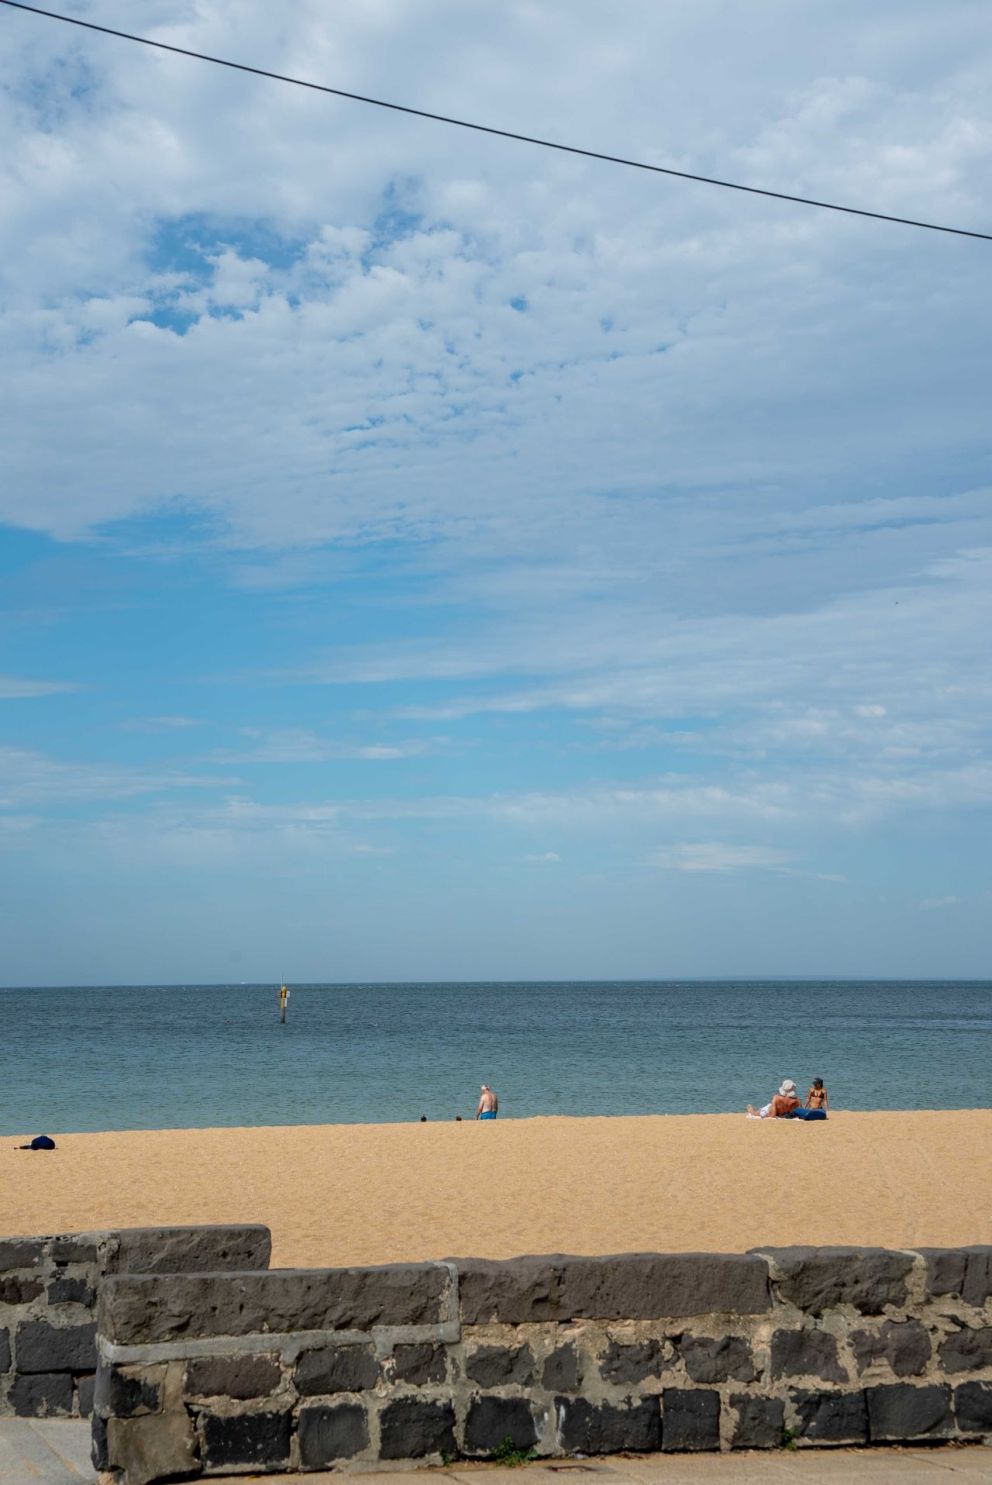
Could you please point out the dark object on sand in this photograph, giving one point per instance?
(807, 1115)
(40, 1142)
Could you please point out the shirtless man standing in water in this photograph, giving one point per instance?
(488, 1104)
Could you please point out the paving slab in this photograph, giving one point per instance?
(56, 1452)
(37, 1452)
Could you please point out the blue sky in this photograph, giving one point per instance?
(423, 556)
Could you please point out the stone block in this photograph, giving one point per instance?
(965, 1272)
(145, 1309)
(497, 1366)
(128, 1391)
(241, 1377)
(76, 1247)
(21, 1253)
(4, 1350)
(154, 1448)
(492, 1421)
(42, 1395)
(42, 1347)
(973, 1407)
(630, 1286)
(413, 1428)
(336, 1369)
(186, 1250)
(588, 1428)
(831, 1417)
(904, 1344)
(625, 1362)
(760, 1421)
(806, 1353)
(16, 1289)
(818, 1279)
(64, 1291)
(967, 1350)
(726, 1359)
(563, 1370)
(690, 1419)
(420, 1363)
(84, 1394)
(99, 1451)
(259, 1439)
(327, 1434)
(902, 1412)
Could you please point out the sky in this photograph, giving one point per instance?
(424, 556)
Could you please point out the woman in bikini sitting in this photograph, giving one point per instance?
(817, 1098)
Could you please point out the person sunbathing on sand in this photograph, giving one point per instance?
(817, 1098)
(781, 1106)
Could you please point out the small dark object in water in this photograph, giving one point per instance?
(458, 1118)
(423, 1118)
(40, 1142)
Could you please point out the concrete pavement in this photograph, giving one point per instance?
(39, 1451)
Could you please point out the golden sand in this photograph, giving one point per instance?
(372, 1193)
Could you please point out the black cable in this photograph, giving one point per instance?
(440, 118)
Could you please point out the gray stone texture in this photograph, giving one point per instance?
(21, 1252)
(631, 1361)
(64, 1291)
(240, 1377)
(145, 1309)
(328, 1434)
(41, 1395)
(725, 1359)
(690, 1419)
(965, 1272)
(968, 1350)
(588, 1428)
(806, 1353)
(85, 1387)
(495, 1421)
(419, 1363)
(831, 1417)
(563, 1371)
(178, 1250)
(128, 1391)
(901, 1411)
(498, 1366)
(258, 1439)
(154, 1448)
(43, 1347)
(818, 1279)
(631, 1286)
(77, 1247)
(903, 1344)
(336, 1369)
(973, 1407)
(760, 1421)
(413, 1428)
(16, 1289)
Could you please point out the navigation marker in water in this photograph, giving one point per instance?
(283, 1001)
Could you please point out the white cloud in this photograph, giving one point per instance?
(16, 688)
(540, 858)
(719, 856)
(935, 904)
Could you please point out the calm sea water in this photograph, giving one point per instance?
(183, 1056)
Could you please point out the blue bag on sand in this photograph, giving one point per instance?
(40, 1142)
(809, 1114)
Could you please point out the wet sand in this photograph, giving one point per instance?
(362, 1193)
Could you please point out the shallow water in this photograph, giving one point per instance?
(179, 1056)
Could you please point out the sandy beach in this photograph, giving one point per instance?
(354, 1194)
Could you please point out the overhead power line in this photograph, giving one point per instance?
(440, 118)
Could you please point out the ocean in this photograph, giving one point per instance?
(183, 1056)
